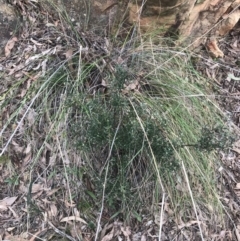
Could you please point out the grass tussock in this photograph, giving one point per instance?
(123, 131)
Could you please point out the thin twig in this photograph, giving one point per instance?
(161, 218)
(64, 235)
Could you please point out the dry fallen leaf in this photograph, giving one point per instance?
(126, 231)
(50, 25)
(188, 224)
(72, 204)
(28, 149)
(13, 212)
(69, 54)
(36, 42)
(108, 6)
(10, 229)
(144, 238)
(114, 232)
(97, 4)
(16, 147)
(105, 229)
(37, 187)
(8, 201)
(51, 192)
(53, 210)
(222, 234)
(108, 237)
(237, 150)
(9, 46)
(231, 76)
(21, 237)
(73, 218)
(214, 49)
(35, 236)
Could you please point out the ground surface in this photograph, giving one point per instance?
(8, 24)
(49, 204)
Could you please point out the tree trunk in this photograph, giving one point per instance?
(194, 21)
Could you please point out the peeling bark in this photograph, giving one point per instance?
(195, 21)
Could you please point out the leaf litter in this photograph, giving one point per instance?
(225, 72)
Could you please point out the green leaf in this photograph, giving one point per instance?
(137, 216)
(91, 195)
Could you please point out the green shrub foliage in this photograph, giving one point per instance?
(110, 117)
